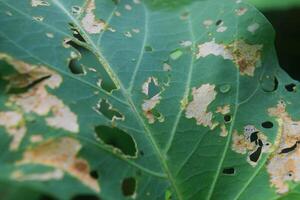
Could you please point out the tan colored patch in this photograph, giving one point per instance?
(223, 110)
(37, 99)
(241, 143)
(245, 56)
(241, 11)
(224, 131)
(15, 126)
(89, 22)
(61, 154)
(36, 138)
(36, 3)
(149, 104)
(202, 97)
(46, 176)
(284, 165)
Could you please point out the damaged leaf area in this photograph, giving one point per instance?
(283, 165)
(197, 109)
(61, 154)
(33, 82)
(246, 57)
(37, 99)
(152, 89)
(144, 100)
(252, 142)
(89, 22)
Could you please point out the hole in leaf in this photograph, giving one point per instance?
(129, 186)
(94, 174)
(269, 83)
(75, 31)
(85, 197)
(267, 124)
(90, 62)
(227, 118)
(229, 171)
(290, 87)
(219, 22)
(148, 48)
(75, 67)
(17, 89)
(254, 137)
(106, 109)
(256, 154)
(117, 139)
(289, 149)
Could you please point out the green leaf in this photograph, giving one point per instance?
(147, 100)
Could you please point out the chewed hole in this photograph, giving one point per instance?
(94, 174)
(290, 87)
(85, 197)
(229, 171)
(75, 67)
(227, 118)
(117, 139)
(267, 124)
(148, 48)
(219, 22)
(128, 186)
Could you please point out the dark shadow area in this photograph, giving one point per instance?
(287, 27)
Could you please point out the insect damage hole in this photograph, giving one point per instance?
(117, 139)
(227, 118)
(267, 124)
(85, 197)
(290, 87)
(94, 174)
(106, 109)
(148, 48)
(229, 171)
(129, 186)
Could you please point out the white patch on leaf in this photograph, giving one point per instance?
(36, 3)
(253, 28)
(89, 22)
(57, 174)
(245, 56)
(14, 125)
(197, 108)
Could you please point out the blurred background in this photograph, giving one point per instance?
(285, 17)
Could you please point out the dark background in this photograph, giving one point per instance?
(287, 27)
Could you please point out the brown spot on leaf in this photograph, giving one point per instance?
(202, 97)
(283, 164)
(61, 154)
(245, 56)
